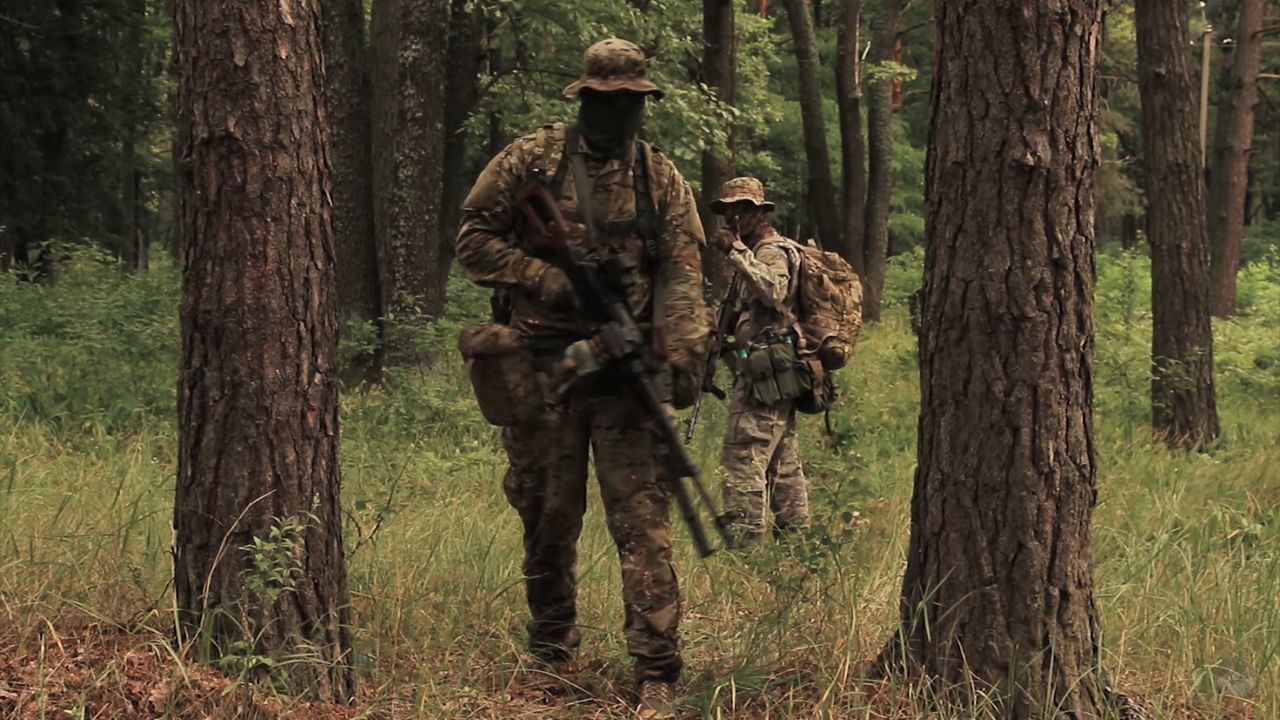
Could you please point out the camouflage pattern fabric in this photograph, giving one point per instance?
(759, 464)
(546, 482)
(766, 273)
(490, 257)
(760, 468)
(547, 474)
(613, 64)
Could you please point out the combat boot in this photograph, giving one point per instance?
(657, 701)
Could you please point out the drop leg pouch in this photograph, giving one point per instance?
(502, 374)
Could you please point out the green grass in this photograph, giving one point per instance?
(1186, 546)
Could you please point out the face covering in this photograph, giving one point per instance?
(746, 222)
(610, 121)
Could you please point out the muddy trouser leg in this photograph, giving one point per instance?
(636, 504)
(546, 482)
(751, 439)
(788, 489)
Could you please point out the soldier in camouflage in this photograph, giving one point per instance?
(644, 213)
(759, 463)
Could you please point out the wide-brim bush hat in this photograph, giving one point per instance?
(612, 65)
(739, 189)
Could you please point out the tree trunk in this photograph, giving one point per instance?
(493, 65)
(719, 72)
(880, 155)
(462, 90)
(131, 253)
(408, 142)
(853, 169)
(821, 188)
(347, 98)
(258, 556)
(1231, 159)
(1129, 231)
(998, 589)
(1183, 408)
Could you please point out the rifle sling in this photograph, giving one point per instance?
(645, 216)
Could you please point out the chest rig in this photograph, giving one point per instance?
(644, 224)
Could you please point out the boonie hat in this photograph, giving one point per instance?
(612, 65)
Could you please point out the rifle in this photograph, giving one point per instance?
(724, 318)
(620, 341)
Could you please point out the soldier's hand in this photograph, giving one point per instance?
(723, 240)
(555, 291)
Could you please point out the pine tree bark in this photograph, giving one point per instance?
(257, 391)
(347, 99)
(998, 589)
(852, 165)
(408, 149)
(880, 156)
(462, 91)
(1229, 180)
(821, 188)
(1183, 408)
(719, 72)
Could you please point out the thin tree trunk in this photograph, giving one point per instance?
(257, 391)
(1129, 231)
(462, 90)
(1229, 180)
(821, 188)
(130, 202)
(347, 98)
(408, 143)
(852, 165)
(1183, 409)
(998, 589)
(493, 66)
(880, 155)
(719, 72)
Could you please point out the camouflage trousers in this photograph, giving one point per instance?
(760, 468)
(546, 482)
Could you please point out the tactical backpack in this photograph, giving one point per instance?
(829, 304)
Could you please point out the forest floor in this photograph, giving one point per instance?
(1186, 546)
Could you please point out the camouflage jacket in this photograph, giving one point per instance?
(491, 254)
(766, 275)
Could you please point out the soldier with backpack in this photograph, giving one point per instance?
(794, 316)
(544, 370)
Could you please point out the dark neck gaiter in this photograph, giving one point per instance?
(611, 121)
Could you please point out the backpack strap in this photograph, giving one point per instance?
(556, 181)
(796, 256)
(646, 213)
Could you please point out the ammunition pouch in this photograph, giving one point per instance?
(821, 392)
(501, 369)
(773, 373)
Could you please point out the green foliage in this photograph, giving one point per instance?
(1186, 546)
(86, 354)
(80, 81)
(1260, 244)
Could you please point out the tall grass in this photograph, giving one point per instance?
(1186, 546)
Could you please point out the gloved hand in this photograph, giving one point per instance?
(555, 291)
(723, 240)
(579, 361)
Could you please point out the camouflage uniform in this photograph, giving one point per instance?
(759, 461)
(547, 474)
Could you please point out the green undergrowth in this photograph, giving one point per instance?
(1186, 546)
